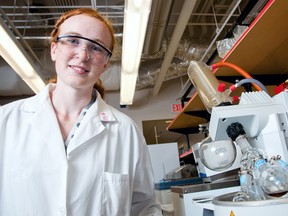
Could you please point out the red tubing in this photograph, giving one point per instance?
(236, 68)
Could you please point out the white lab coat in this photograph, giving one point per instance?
(106, 170)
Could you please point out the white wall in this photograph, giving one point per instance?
(149, 107)
(167, 162)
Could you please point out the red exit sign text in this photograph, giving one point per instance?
(176, 107)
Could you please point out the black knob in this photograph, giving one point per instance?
(234, 130)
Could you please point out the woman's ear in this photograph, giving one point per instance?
(106, 65)
(53, 48)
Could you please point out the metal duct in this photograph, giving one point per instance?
(183, 19)
(158, 20)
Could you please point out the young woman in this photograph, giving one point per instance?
(65, 151)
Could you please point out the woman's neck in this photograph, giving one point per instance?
(67, 106)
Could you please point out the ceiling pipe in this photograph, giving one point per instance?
(158, 20)
(183, 19)
(9, 22)
(236, 5)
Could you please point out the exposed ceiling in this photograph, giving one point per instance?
(32, 21)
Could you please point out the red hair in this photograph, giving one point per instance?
(92, 13)
(85, 11)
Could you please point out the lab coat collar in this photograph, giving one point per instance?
(99, 108)
(92, 124)
(33, 104)
(44, 116)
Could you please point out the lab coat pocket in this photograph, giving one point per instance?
(116, 196)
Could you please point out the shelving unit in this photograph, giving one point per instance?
(261, 51)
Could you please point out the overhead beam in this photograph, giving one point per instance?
(183, 19)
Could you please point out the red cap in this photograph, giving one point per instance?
(232, 87)
(221, 87)
(235, 98)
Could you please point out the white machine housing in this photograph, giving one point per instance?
(264, 120)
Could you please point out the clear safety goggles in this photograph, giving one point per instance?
(73, 44)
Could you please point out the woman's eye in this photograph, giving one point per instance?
(73, 41)
(96, 48)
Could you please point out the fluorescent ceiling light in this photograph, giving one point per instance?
(135, 23)
(14, 54)
(127, 88)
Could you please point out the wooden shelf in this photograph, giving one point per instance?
(261, 50)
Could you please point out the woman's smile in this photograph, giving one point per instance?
(79, 69)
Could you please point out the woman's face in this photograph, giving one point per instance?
(79, 62)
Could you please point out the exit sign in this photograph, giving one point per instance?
(176, 107)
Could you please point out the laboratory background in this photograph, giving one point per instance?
(206, 82)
